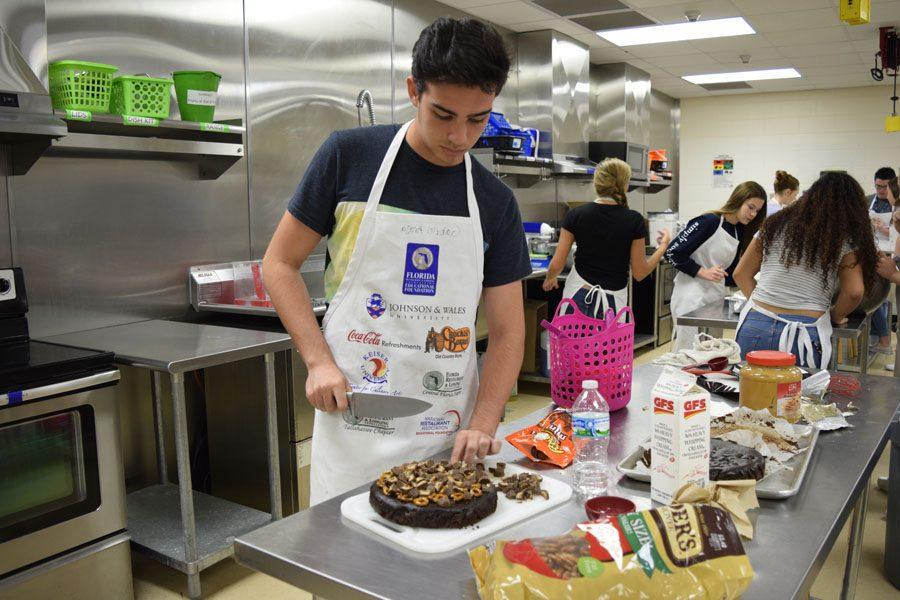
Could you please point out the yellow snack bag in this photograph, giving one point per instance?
(668, 553)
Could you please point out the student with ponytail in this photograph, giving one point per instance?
(611, 240)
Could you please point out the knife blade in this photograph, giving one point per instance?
(368, 404)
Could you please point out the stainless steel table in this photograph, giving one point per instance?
(320, 552)
(717, 315)
(183, 529)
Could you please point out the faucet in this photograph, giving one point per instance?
(365, 98)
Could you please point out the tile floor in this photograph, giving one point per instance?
(230, 581)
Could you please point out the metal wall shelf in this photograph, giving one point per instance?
(658, 186)
(214, 147)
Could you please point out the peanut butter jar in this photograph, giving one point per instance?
(772, 381)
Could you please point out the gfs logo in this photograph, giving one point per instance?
(661, 406)
(694, 407)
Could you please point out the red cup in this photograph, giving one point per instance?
(604, 508)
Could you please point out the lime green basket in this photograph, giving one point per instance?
(196, 94)
(140, 96)
(79, 85)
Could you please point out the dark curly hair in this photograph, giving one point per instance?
(460, 51)
(831, 213)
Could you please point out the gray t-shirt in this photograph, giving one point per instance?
(795, 286)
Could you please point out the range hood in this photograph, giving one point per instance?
(620, 104)
(554, 96)
(27, 123)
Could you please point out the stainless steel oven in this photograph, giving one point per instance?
(61, 476)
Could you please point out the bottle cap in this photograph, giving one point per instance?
(589, 384)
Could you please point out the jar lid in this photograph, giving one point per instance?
(771, 358)
(589, 384)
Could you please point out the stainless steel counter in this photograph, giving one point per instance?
(176, 347)
(320, 552)
(717, 315)
(185, 530)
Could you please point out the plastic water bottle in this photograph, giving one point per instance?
(590, 425)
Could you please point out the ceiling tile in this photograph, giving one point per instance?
(646, 66)
(698, 59)
(580, 7)
(801, 19)
(817, 49)
(762, 7)
(756, 54)
(862, 32)
(641, 4)
(613, 21)
(771, 63)
(866, 46)
(796, 37)
(562, 25)
(465, 4)
(824, 60)
(667, 49)
(593, 40)
(739, 44)
(510, 13)
(608, 55)
(709, 9)
(833, 71)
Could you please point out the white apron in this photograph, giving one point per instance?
(795, 331)
(690, 293)
(575, 282)
(401, 322)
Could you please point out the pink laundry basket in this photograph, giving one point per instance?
(582, 347)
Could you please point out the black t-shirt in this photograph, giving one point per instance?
(332, 195)
(604, 233)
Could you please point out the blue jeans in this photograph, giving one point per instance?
(759, 332)
(880, 321)
(588, 307)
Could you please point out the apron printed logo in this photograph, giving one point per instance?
(371, 338)
(448, 383)
(375, 305)
(447, 339)
(445, 424)
(421, 272)
(424, 311)
(375, 367)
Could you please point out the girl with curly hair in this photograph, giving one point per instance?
(819, 244)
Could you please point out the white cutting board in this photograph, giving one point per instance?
(435, 541)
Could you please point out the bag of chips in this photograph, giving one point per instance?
(669, 553)
(549, 441)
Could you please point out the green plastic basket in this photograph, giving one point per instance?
(141, 96)
(196, 94)
(79, 85)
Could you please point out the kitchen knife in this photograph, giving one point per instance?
(383, 406)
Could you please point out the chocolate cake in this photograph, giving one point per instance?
(434, 494)
(728, 461)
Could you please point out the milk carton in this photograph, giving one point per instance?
(679, 434)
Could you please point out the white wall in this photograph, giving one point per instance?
(802, 133)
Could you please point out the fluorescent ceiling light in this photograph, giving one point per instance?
(743, 76)
(677, 32)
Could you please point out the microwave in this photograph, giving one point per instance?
(636, 155)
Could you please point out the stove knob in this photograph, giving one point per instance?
(5, 286)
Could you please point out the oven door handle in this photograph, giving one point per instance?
(56, 389)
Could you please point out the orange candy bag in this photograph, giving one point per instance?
(549, 441)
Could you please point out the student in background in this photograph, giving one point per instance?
(819, 245)
(882, 201)
(787, 188)
(611, 239)
(707, 251)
